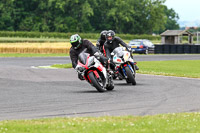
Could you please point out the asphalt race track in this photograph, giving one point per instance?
(28, 92)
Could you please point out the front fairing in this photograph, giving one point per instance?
(95, 65)
(91, 61)
(100, 67)
(83, 58)
(122, 59)
(121, 56)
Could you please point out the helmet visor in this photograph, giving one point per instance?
(75, 44)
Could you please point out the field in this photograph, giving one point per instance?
(179, 68)
(164, 123)
(60, 46)
(27, 47)
(38, 40)
(43, 45)
(32, 55)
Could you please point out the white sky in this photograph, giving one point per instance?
(188, 10)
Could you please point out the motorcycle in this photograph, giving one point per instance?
(124, 64)
(94, 72)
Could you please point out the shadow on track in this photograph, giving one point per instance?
(86, 91)
(92, 91)
(125, 84)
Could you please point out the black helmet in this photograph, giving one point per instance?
(103, 34)
(75, 41)
(110, 36)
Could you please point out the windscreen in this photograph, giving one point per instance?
(83, 57)
(118, 51)
(134, 43)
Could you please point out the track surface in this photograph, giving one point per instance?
(27, 92)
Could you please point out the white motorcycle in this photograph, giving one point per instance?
(125, 65)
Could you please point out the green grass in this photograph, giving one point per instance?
(173, 123)
(35, 40)
(62, 65)
(179, 68)
(21, 39)
(31, 55)
(42, 40)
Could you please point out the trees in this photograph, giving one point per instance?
(6, 13)
(122, 16)
(172, 18)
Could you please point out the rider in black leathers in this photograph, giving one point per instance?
(78, 45)
(101, 41)
(113, 42)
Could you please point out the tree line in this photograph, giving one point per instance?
(122, 16)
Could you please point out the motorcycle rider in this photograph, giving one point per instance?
(101, 41)
(78, 45)
(113, 42)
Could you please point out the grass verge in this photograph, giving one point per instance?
(173, 123)
(178, 68)
(62, 65)
(21, 40)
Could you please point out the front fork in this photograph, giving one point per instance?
(95, 73)
(130, 66)
(109, 80)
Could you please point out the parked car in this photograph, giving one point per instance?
(142, 46)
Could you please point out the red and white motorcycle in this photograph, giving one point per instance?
(94, 72)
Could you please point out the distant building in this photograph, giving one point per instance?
(194, 28)
(175, 36)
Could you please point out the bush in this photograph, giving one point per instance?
(67, 35)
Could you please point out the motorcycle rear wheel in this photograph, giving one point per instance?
(130, 75)
(95, 82)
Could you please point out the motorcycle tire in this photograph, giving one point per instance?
(114, 77)
(95, 82)
(120, 77)
(110, 88)
(131, 77)
(111, 85)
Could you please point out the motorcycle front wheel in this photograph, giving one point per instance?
(130, 75)
(95, 82)
(110, 85)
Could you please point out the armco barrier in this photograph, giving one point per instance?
(177, 49)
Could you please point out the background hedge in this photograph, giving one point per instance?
(67, 35)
